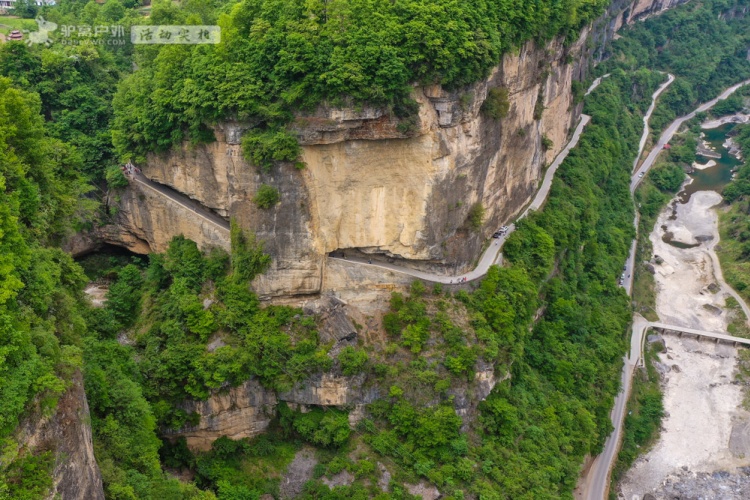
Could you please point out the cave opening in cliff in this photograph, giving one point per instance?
(360, 255)
(102, 263)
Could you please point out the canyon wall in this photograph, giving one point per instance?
(620, 13)
(67, 434)
(366, 185)
(369, 186)
(146, 221)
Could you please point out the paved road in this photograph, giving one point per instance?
(630, 263)
(596, 482)
(647, 117)
(596, 83)
(673, 127)
(181, 200)
(492, 254)
(595, 485)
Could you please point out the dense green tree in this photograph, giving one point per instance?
(40, 287)
(277, 56)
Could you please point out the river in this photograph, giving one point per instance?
(704, 437)
(594, 483)
(713, 178)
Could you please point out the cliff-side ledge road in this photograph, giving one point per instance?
(181, 200)
(492, 254)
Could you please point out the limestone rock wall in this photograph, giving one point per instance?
(146, 221)
(620, 13)
(328, 389)
(67, 433)
(368, 185)
(640, 9)
(240, 412)
(247, 410)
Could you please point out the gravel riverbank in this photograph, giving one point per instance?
(704, 437)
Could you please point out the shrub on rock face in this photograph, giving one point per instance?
(352, 360)
(476, 215)
(265, 147)
(497, 104)
(327, 427)
(267, 196)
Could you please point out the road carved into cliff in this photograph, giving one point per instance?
(492, 254)
(181, 200)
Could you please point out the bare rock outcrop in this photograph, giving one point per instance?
(640, 9)
(300, 471)
(146, 222)
(67, 433)
(368, 187)
(329, 389)
(238, 412)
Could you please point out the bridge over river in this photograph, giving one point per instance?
(681, 330)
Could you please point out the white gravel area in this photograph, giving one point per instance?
(702, 404)
(685, 274)
(703, 166)
(97, 294)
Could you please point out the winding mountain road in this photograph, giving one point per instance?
(673, 127)
(595, 485)
(630, 263)
(647, 117)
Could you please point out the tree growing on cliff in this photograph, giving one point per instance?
(264, 147)
(267, 196)
(476, 215)
(248, 258)
(497, 104)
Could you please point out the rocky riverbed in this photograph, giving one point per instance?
(704, 444)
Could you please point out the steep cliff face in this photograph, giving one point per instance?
(620, 13)
(146, 221)
(239, 412)
(248, 409)
(409, 197)
(640, 9)
(67, 433)
(368, 185)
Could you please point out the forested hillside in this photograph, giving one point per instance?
(41, 309)
(734, 251)
(185, 324)
(76, 82)
(704, 44)
(532, 431)
(277, 56)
